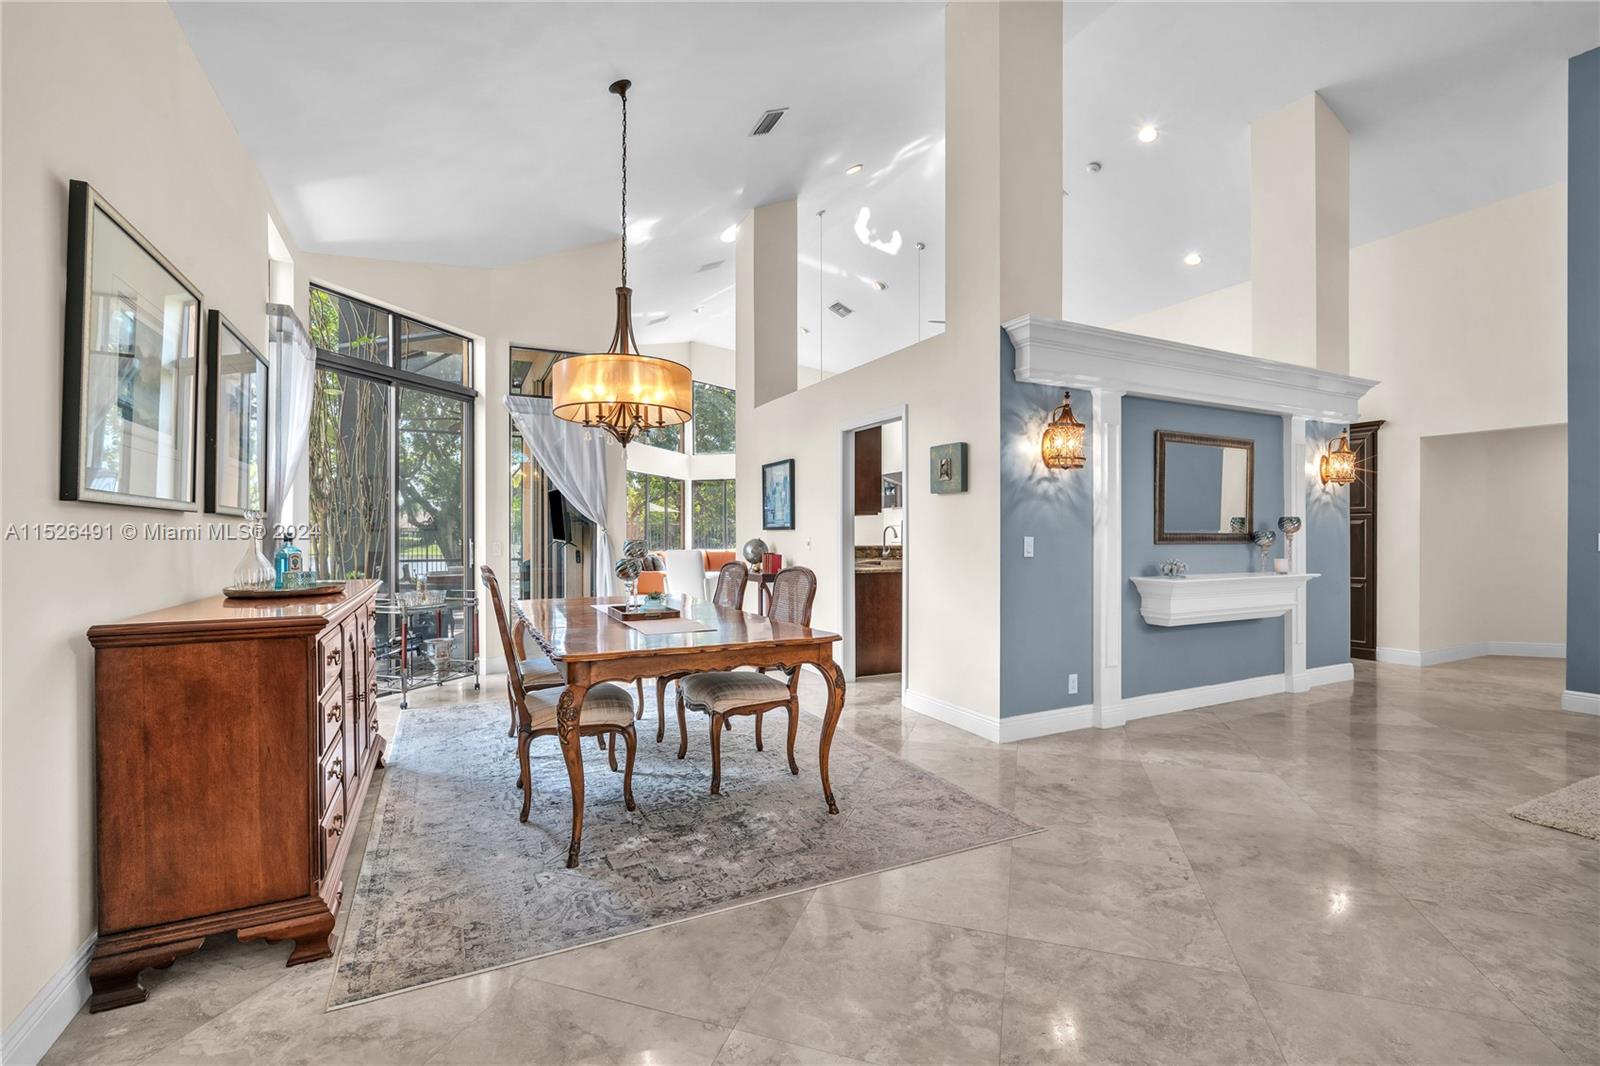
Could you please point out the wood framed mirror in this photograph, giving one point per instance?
(1205, 488)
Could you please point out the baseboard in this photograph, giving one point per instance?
(1188, 699)
(47, 1015)
(1044, 723)
(980, 725)
(1580, 702)
(1457, 652)
(1326, 675)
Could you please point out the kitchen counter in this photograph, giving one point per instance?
(879, 566)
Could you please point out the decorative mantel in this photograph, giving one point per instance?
(1109, 365)
(1200, 598)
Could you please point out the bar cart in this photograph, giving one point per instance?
(427, 638)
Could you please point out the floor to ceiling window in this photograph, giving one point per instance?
(551, 544)
(711, 514)
(685, 497)
(655, 510)
(391, 479)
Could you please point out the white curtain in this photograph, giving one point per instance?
(574, 459)
(294, 376)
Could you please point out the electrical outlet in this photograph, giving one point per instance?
(1072, 684)
(1027, 547)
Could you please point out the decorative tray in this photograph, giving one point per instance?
(639, 612)
(252, 592)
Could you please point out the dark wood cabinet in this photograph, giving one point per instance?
(877, 622)
(234, 743)
(1364, 542)
(869, 470)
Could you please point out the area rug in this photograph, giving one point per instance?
(1574, 809)
(452, 884)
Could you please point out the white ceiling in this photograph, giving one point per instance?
(482, 134)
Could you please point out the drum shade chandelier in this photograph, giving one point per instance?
(1062, 447)
(621, 390)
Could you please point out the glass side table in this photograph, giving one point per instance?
(426, 639)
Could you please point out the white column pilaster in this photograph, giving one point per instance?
(1295, 458)
(1105, 448)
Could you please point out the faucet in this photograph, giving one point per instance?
(886, 531)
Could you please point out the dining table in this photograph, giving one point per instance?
(589, 646)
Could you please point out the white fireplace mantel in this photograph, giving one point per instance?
(1200, 598)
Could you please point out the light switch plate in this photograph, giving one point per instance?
(1027, 547)
(1072, 684)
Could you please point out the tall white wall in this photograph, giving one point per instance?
(1463, 323)
(111, 94)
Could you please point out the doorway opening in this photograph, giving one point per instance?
(875, 552)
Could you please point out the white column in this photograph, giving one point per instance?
(1294, 503)
(1105, 449)
(1300, 236)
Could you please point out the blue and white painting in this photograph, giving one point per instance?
(777, 495)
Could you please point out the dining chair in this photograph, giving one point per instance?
(538, 672)
(686, 573)
(607, 709)
(725, 693)
(732, 578)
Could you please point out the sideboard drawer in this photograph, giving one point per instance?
(331, 775)
(330, 715)
(332, 825)
(330, 655)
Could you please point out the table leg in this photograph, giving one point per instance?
(834, 676)
(567, 712)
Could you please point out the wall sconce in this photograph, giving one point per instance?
(1062, 447)
(1339, 465)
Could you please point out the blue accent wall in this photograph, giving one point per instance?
(1047, 602)
(1583, 372)
(1326, 540)
(1160, 658)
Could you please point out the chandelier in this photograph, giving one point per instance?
(621, 390)
(1062, 447)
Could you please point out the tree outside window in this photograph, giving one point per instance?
(655, 510)
(714, 416)
(712, 518)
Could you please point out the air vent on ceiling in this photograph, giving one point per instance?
(657, 320)
(840, 309)
(710, 266)
(768, 120)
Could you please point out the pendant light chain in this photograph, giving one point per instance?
(624, 95)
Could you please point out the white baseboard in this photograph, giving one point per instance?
(1581, 702)
(45, 1017)
(1457, 652)
(1044, 723)
(1326, 675)
(981, 725)
(1187, 699)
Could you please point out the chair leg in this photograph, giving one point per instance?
(716, 754)
(759, 715)
(661, 710)
(683, 727)
(611, 754)
(638, 685)
(631, 739)
(524, 742)
(794, 728)
(600, 741)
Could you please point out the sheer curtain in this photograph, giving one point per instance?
(574, 459)
(294, 375)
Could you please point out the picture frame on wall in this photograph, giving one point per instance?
(947, 469)
(236, 420)
(777, 494)
(132, 377)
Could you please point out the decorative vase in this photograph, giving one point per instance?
(1290, 525)
(254, 569)
(1264, 539)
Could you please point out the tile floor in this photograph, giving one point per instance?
(1315, 878)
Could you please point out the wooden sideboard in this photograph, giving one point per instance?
(234, 743)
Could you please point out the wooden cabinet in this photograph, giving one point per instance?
(877, 622)
(234, 743)
(869, 470)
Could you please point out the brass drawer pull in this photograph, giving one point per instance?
(337, 827)
(335, 711)
(333, 656)
(336, 768)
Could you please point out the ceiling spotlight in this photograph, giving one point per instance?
(1093, 168)
(806, 330)
(1192, 259)
(731, 234)
(853, 168)
(880, 285)
(1148, 134)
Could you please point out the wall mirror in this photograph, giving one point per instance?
(236, 421)
(1204, 488)
(130, 393)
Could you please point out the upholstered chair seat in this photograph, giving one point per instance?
(540, 672)
(602, 705)
(720, 692)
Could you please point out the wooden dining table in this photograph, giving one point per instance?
(588, 647)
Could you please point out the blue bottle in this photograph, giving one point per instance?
(288, 564)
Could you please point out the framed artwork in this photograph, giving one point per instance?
(236, 421)
(947, 469)
(777, 495)
(131, 372)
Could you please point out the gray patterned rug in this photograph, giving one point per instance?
(453, 884)
(1574, 809)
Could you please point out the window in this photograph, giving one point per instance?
(541, 566)
(668, 437)
(712, 514)
(391, 481)
(713, 419)
(655, 510)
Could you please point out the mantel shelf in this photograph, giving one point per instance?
(1201, 598)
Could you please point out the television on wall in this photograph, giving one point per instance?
(560, 518)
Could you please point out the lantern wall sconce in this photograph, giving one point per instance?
(1062, 446)
(1339, 465)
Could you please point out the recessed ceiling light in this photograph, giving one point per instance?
(1192, 259)
(730, 234)
(1148, 133)
(805, 330)
(853, 168)
(880, 285)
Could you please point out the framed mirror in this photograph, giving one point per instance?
(236, 421)
(130, 397)
(1204, 489)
